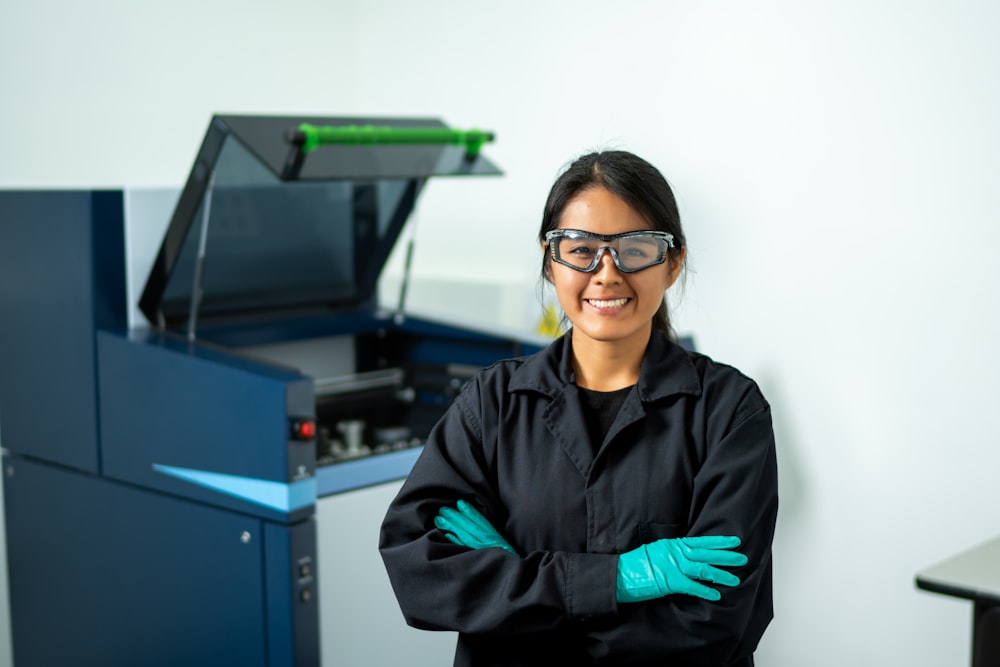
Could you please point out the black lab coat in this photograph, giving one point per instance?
(690, 453)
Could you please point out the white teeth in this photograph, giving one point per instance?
(610, 303)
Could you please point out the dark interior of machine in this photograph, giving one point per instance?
(400, 391)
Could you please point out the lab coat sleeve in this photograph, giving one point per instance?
(443, 586)
(735, 493)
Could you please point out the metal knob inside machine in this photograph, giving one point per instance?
(353, 431)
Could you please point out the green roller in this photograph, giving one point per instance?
(315, 136)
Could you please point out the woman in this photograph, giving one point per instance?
(611, 499)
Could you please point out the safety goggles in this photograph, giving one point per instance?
(631, 251)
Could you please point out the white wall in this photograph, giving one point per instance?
(835, 163)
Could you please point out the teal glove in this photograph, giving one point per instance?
(468, 528)
(672, 566)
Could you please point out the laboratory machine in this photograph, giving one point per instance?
(162, 472)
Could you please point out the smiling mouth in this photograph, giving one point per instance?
(607, 303)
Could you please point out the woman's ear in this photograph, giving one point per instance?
(676, 264)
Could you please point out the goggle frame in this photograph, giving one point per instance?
(552, 234)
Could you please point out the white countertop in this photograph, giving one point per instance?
(973, 574)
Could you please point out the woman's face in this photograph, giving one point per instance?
(608, 305)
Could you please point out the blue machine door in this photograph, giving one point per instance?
(103, 573)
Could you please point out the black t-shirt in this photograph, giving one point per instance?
(600, 409)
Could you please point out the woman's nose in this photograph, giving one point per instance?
(606, 272)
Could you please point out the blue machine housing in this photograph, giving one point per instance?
(62, 277)
(160, 481)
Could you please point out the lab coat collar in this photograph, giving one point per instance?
(666, 370)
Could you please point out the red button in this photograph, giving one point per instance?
(304, 429)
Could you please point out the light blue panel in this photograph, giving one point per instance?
(364, 472)
(276, 495)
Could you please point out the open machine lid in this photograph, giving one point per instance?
(287, 213)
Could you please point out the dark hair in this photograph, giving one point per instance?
(638, 183)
